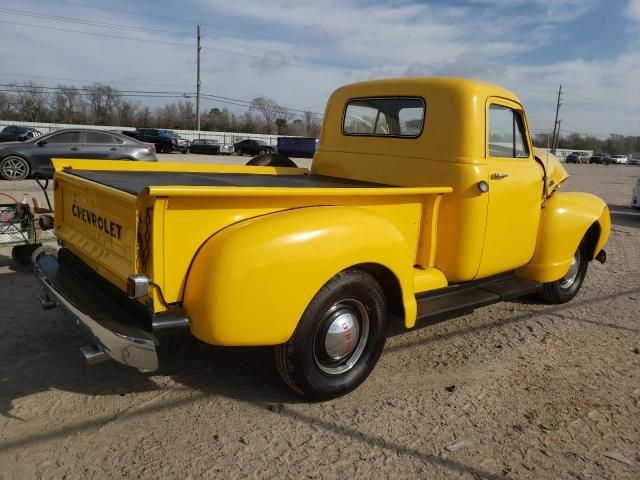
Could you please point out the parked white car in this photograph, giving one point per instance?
(619, 158)
(635, 197)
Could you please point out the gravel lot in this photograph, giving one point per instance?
(515, 390)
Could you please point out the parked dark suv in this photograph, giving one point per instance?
(252, 147)
(14, 133)
(165, 141)
(577, 157)
(602, 158)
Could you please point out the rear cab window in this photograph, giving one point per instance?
(384, 117)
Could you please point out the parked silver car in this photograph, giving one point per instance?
(18, 160)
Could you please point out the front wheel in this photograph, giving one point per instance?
(564, 289)
(339, 338)
(14, 168)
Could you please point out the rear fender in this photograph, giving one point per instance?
(567, 219)
(250, 283)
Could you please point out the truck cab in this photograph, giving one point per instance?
(425, 198)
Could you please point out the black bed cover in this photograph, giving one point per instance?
(136, 182)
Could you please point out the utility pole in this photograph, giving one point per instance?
(555, 122)
(198, 85)
(557, 135)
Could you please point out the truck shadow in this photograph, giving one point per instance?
(39, 352)
(397, 329)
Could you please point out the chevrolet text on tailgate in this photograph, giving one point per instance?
(425, 199)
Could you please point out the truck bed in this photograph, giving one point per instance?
(135, 182)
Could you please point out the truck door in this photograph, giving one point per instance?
(515, 190)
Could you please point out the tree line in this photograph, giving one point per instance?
(614, 144)
(102, 104)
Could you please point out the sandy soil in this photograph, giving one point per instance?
(516, 390)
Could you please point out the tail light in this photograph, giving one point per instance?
(151, 149)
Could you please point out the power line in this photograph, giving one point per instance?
(296, 60)
(119, 82)
(94, 34)
(161, 17)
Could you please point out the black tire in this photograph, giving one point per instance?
(271, 160)
(184, 151)
(14, 168)
(306, 363)
(22, 253)
(564, 289)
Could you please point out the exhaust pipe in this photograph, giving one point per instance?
(94, 354)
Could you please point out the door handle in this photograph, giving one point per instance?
(74, 148)
(114, 149)
(499, 176)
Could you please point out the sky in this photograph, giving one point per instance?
(298, 51)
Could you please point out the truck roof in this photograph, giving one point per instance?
(454, 85)
(453, 128)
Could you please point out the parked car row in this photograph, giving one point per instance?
(600, 158)
(167, 141)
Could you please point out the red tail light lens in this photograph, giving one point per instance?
(151, 149)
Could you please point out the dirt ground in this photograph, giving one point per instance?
(516, 390)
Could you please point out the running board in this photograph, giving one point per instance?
(465, 298)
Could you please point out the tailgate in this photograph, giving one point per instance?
(98, 224)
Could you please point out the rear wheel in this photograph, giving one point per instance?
(339, 338)
(564, 289)
(14, 168)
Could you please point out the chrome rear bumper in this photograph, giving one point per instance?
(112, 326)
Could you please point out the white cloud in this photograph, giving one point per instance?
(633, 10)
(342, 41)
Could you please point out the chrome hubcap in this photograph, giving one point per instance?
(341, 337)
(572, 274)
(14, 168)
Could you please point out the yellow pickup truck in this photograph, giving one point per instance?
(425, 199)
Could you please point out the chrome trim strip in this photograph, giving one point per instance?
(135, 352)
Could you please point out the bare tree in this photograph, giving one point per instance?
(67, 105)
(312, 124)
(270, 111)
(6, 106)
(126, 112)
(103, 100)
(31, 102)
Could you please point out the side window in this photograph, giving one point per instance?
(64, 137)
(101, 138)
(506, 133)
(386, 116)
